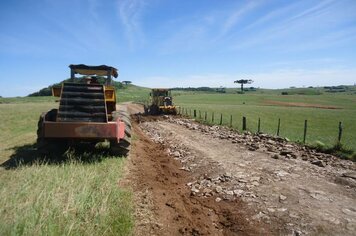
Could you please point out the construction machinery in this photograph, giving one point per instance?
(87, 112)
(160, 102)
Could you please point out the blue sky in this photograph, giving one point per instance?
(162, 43)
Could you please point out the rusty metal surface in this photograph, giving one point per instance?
(84, 130)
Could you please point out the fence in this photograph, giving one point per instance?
(218, 119)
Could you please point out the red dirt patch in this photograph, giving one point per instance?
(299, 104)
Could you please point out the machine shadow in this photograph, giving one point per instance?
(28, 155)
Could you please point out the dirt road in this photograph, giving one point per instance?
(193, 179)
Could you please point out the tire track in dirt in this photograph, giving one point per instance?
(164, 204)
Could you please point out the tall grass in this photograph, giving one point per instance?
(75, 196)
(70, 198)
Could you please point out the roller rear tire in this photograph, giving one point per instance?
(122, 147)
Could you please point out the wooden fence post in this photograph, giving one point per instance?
(340, 132)
(279, 126)
(195, 113)
(212, 117)
(305, 130)
(230, 120)
(190, 112)
(220, 119)
(206, 115)
(199, 115)
(243, 123)
(259, 126)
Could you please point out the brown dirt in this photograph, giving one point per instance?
(290, 194)
(300, 104)
(175, 170)
(165, 205)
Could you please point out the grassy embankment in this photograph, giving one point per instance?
(133, 93)
(269, 106)
(79, 195)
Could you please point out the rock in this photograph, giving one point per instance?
(282, 197)
(253, 148)
(207, 190)
(275, 156)
(255, 178)
(260, 215)
(230, 192)
(185, 168)
(176, 154)
(238, 192)
(319, 195)
(293, 155)
(282, 209)
(284, 152)
(227, 175)
(281, 173)
(351, 175)
(318, 163)
(242, 180)
(195, 190)
(349, 212)
(218, 189)
(271, 210)
(293, 215)
(218, 199)
(271, 142)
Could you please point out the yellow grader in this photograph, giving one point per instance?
(161, 102)
(87, 112)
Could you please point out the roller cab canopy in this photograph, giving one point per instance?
(102, 70)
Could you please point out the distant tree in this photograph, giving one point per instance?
(126, 82)
(242, 82)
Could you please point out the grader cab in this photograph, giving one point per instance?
(87, 112)
(161, 102)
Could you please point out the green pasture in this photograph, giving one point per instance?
(133, 93)
(322, 123)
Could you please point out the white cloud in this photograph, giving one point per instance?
(130, 12)
(319, 26)
(237, 15)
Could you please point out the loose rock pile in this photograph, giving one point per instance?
(245, 183)
(278, 147)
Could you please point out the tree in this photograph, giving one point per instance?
(126, 82)
(242, 82)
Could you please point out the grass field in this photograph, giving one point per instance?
(80, 195)
(133, 93)
(77, 196)
(291, 109)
